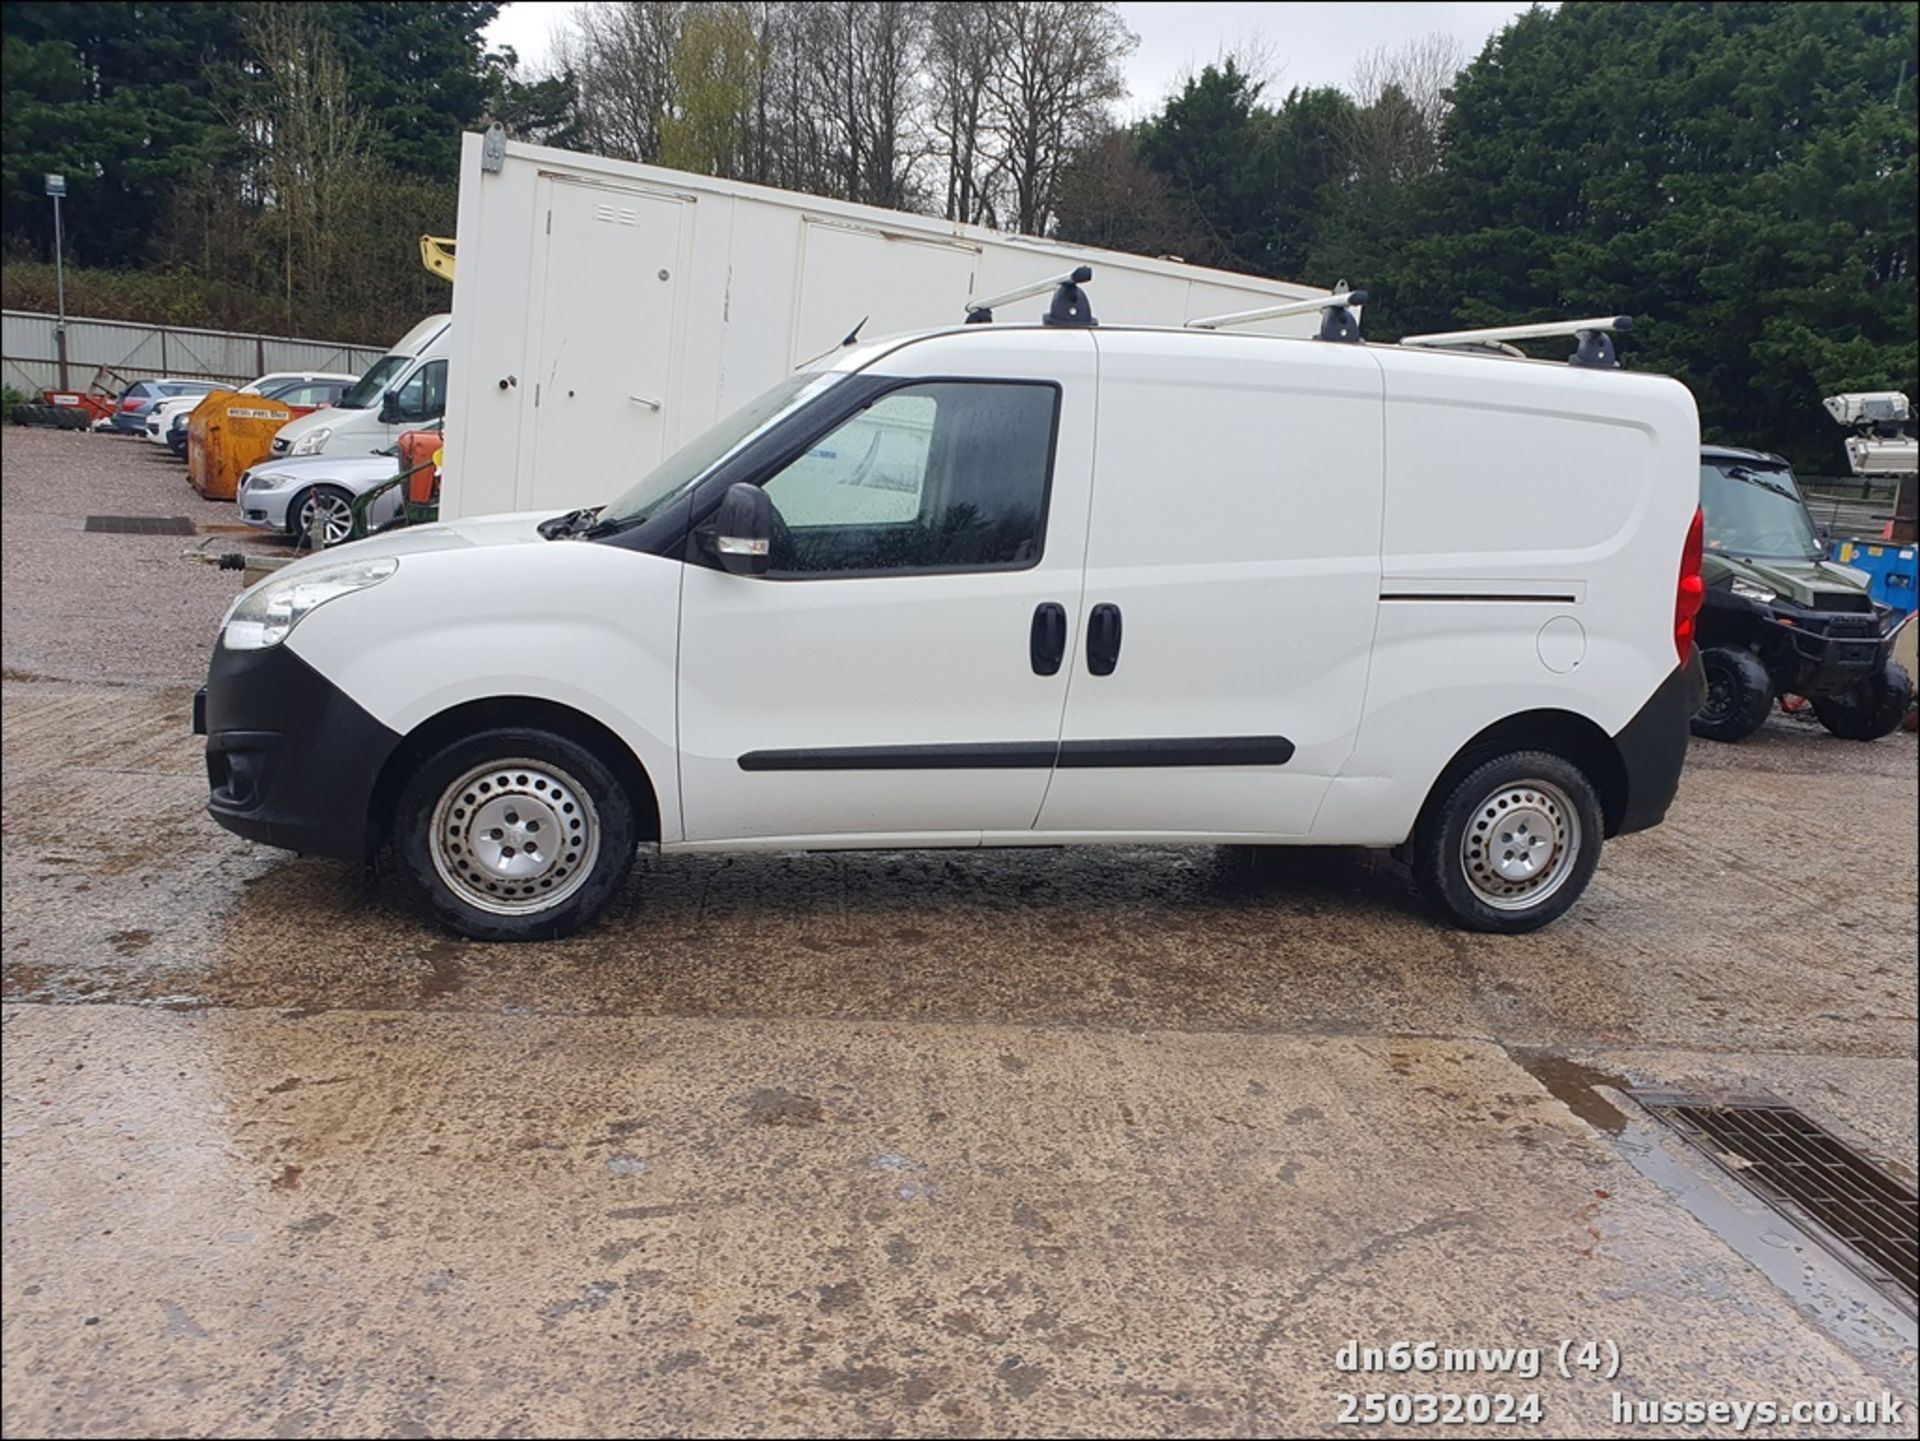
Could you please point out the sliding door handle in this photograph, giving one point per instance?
(1047, 644)
(1103, 639)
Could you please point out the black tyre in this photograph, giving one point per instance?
(1512, 844)
(68, 417)
(335, 506)
(1872, 709)
(515, 834)
(1739, 694)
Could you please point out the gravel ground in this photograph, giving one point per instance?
(109, 608)
(1086, 1141)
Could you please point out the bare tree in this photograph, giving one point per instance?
(1400, 97)
(621, 56)
(958, 57)
(310, 141)
(1109, 197)
(973, 105)
(1053, 76)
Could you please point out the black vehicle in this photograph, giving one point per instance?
(1780, 618)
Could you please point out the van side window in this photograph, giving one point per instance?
(946, 475)
(424, 396)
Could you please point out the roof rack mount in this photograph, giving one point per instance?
(1338, 322)
(1594, 348)
(1070, 306)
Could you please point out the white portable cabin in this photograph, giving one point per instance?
(605, 312)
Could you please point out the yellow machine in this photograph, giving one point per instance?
(436, 253)
(229, 431)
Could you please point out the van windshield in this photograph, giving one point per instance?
(365, 392)
(1755, 511)
(698, 456)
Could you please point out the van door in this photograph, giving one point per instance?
(605, 328)
(418, 400)
(1233, 574)
(898, 676)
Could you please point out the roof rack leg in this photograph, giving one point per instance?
(1338, 323)
(1595, 348)
(1070, 306)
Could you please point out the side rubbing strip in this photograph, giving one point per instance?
(1031, 755)
(1461, 595)
(1199, 751)
(994, 756)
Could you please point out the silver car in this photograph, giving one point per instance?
(285, 494)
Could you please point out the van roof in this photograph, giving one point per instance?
(421, 336)
(858, 356)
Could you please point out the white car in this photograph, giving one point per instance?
(315, 388)
(285, 495)
(1016, 586)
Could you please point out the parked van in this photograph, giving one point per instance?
(403, 389)
(1015, 585)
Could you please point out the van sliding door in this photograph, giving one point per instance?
(1233, 575)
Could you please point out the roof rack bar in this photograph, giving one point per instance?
(1339, 300)
(1544, 331)
(980, 312)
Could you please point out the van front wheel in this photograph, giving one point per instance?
(1512, 845)
(516, 834)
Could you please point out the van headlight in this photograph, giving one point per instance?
(310, 443)
(1753, 590)
(265, 615)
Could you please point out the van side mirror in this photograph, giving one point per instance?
(740, 535)
(390, 408)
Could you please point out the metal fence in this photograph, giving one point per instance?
(32, 358)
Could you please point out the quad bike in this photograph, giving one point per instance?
(1779, 618)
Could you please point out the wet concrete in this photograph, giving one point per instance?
(973, 1143)
(365, 1223)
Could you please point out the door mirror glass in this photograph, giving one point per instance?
(741, 534)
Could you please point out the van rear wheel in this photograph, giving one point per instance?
(515, 834)
(1512, 846)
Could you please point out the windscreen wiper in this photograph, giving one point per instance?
(1753, 478)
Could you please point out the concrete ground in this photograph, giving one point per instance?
(1081, 1142)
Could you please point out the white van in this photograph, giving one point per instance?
(1015, 585)
(402, 390)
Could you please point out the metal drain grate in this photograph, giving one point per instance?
(1863, 1216)
(140, 525)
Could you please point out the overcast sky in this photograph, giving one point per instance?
(1305, 44)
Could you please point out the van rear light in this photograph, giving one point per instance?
(1692, 590)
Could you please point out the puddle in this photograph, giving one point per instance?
(1577, 1087)
(1820, 1286)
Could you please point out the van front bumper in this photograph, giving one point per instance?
(1653, 746)
(291, 758)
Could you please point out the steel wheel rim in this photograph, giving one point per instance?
(1520, 845)
(336, 513)
(514, 837)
